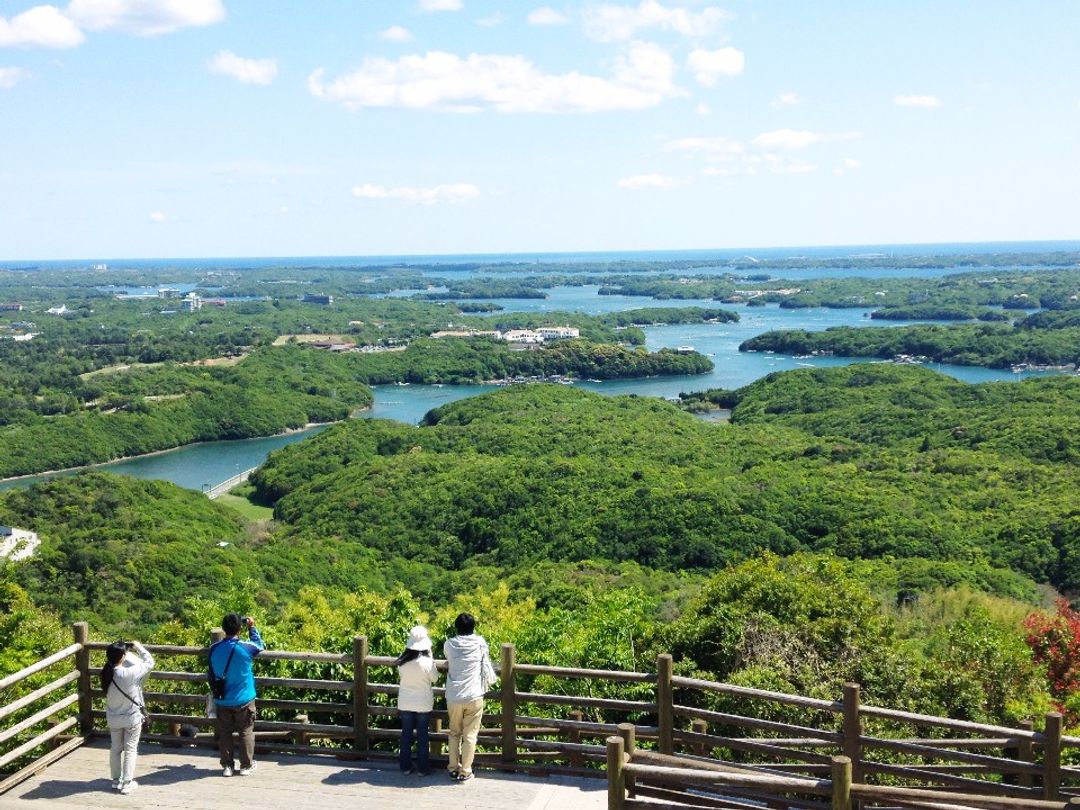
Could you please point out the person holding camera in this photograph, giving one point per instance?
(233, 686)
(127, 663)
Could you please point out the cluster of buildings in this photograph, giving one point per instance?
(542, 334)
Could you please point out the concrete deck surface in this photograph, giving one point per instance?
(191, 779)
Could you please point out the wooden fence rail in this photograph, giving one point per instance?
(686, 742)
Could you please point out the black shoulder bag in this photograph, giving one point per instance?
(217, 685)
(139, 706)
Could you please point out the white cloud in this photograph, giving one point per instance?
(798, 139)
(146, 18)
(715, 148)
(491, 20)
(396, 33)
(916, 101)
(614, 23)
(708, 66)
(703, 108)
(248, 71)
(641, 182)
(40, 27)
(283, 209)
(11, 76)
(729, 158)
(437, 80)
(546, 16)
(440, 5)
(450, 193)
(787, 100)
(157, 217)
(777, 164)
(852, 164)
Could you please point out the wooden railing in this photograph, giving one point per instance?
(684, 741)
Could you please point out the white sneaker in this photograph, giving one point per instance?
(247, 771)
(127, 787)
(227, 771)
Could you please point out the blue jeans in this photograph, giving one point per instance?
(414, 723)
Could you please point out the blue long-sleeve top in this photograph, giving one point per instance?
(239, 679)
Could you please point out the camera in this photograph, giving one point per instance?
(129, 645)
(246, 621)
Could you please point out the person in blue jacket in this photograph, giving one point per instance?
(230, 661)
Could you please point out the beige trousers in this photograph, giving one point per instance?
(464, 729)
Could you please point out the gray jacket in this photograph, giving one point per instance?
(470, 672)
(128, 676)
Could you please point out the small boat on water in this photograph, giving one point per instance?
(685, 349)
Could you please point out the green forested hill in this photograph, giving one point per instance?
(539, 472)
(122, 552)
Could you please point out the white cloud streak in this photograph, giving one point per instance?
(39, 27)
(449, 193)
(491, 20)
(789, 139)
(440, 5)
(145, 18)
(157, 217)
(786, 100)
(766, 152)
(708, 66)
(916, 101)
(396, 33)
(248, 71)
(615, 23)
(546, 16)
(642, 78)
(11, 76)
(645, 182)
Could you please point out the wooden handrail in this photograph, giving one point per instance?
(358, 716)
(38, 666)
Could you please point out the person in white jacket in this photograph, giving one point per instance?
(126, 666)
(416, 699)
(469, 676)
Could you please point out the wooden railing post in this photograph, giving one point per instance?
(699, 726)
(360, 693)
(301, 737)
(665, 704)
(1025, 752)
(628, 732)
(853, 729)
(509, 704)
(574, 736)
(435, 746)
(81, 632)
(1052, 756)
(616, 789)
(841, 783)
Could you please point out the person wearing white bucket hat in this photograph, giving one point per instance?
(416, 699)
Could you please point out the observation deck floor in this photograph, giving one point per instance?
(191, 778)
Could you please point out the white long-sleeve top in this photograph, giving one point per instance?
(415, 679)
(469, 668)
(129, 676)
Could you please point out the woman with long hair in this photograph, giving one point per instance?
(126, 666)
(416, 699)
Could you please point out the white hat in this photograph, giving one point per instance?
(418, 639)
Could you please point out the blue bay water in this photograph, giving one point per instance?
(203, 465)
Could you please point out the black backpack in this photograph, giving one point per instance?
(217, 685)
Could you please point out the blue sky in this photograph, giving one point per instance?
(143, 128)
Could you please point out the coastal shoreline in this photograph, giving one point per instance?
(162, 452)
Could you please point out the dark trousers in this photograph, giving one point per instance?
(241, 720)
(414, 722)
